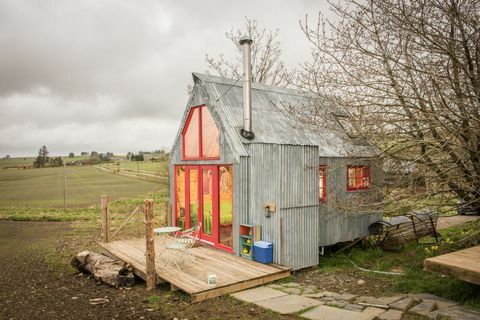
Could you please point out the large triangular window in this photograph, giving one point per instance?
(200, 135)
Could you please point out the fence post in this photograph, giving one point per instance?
(105, 219)
(150, 245)
(169, 213)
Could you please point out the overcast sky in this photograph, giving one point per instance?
(113, 75)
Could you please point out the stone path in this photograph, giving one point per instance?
(310, 303)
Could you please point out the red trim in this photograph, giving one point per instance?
(200, 135)
(366, 170)
(323, 196)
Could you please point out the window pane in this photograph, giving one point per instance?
(180, 196)
(358, 177)
(207, 184)
(193, 197)
(322, 183)
(210, 135)
(191, 136)
(226, 208)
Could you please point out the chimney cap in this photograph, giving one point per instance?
(245, 39)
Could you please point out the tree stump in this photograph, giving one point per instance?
(115, 273)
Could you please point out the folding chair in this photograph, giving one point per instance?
(181, 247)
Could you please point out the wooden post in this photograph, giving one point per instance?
(169, 213)
(105, 219)
(150, 246)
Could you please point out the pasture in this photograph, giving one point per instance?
(44, 187)
(159, 168)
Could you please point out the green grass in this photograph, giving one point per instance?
(410, 260)
(13, 162)
(44, 187)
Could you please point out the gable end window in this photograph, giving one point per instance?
(322, 183)
(358, 178)
(200, 135)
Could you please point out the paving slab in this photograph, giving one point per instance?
(380, 300)
(345, 296)
(337, 303)
(391, 315)
(258, 294)
(371, 313)
(354, 307)
(423, 308)
(455, 313)
(288, 304)
(439, 301)
(403, 305)
(331, 313)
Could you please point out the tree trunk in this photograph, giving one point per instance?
(115, 273)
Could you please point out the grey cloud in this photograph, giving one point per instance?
(113, 75)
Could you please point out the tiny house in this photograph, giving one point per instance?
(239, 160)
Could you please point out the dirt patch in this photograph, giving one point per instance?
(341, 282)
(447, 222)
(38, 283)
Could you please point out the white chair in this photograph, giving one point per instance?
(180, 247)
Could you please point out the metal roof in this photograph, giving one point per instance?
(272, 123)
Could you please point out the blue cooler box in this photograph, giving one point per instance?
(263, 251)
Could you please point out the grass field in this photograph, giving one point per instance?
(44, 187)
(146, 166)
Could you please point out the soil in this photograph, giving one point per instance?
(342, 282)
(37, 282)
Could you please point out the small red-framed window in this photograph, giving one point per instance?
(322, 183)
(358, 178)
(200, 136)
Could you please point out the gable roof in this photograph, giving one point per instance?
(271, 123)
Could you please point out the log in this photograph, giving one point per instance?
(115, 273)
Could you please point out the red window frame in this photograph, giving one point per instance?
(200, 135)
(322, 181)
(361, 178)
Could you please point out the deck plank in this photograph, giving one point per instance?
(463, 264)
(233, 272)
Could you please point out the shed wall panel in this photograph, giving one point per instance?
(346, 215)
(286, 176)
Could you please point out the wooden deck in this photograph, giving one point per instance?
(463, 264)
(233, 273)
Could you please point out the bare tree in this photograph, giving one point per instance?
(408, 73)
(267, 67)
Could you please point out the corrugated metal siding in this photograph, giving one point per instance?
(240, 198)
(299, 226)
(335, 223)
(286, 175)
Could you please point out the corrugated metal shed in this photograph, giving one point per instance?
(280, 166)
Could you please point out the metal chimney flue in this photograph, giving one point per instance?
(246, 131)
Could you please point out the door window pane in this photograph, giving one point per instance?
(180, 196)
(226, 208)
(207, 197)
(193, 198)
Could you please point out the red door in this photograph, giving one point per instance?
(204, 194)
(208, 214)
